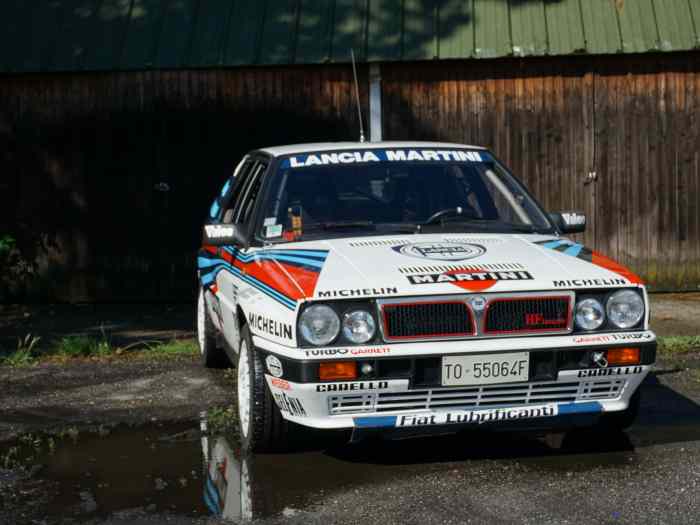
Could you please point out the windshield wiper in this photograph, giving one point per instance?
(343, 225)
(519, 228)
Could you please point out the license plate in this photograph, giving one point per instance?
(460, 370)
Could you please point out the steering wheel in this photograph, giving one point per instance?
(444, 213)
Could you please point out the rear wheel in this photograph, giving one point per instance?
(212, 357)
(262, 426)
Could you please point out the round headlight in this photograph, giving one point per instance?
(625, 308)
(319, 324)
(358, 326)
(590, 314)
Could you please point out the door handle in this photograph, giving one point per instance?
(592, 176)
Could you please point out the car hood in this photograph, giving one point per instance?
(435, 264)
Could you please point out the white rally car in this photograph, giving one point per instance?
(406, 288)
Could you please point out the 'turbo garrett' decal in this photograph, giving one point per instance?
(472, 280)
(441, 251)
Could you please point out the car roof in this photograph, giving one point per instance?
(277, 151)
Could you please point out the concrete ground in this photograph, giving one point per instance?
(144, 471)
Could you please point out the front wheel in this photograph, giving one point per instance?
(263, 429)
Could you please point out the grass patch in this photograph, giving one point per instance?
(82, 346)
(175, 347)
(680, 344)
(25, 354)
(94, 348)
(18, 358)
(222, 420)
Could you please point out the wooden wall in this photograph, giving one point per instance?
(82, 159)
(633, 120)
(82, 156)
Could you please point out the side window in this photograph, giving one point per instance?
(242, 175)
(243, 207)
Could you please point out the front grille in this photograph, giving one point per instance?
(473, 397)
(527, 314)
(427, 319)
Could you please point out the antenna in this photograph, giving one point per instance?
(357, 95)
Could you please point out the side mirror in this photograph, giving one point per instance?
(569, 221)
(224, 234)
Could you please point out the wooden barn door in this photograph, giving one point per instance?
(537, 117)
(647, 144)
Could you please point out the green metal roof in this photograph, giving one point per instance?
(70, 35)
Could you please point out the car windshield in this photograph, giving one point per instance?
(370, 192)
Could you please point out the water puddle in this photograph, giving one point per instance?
(178, 468)
(174, 468)
(158, 468)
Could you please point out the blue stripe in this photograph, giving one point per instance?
(580, 408)
(214, 210)
(213, 508)
(574, 250)
(224, 190)
(306, 262)
(212, 490)
(286, 301)
(563, 409)
(203, 262)
(318, 254)
(553, 244)
(271, 292)
(309, 260)
(375, 422)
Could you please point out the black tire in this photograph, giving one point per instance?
(211, 355)
(618, 421)
(264, 430)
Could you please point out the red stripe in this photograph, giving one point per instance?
(609, 264)
(277, 276)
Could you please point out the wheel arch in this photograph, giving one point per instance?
(241, 317)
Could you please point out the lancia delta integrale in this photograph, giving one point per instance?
(411, 287)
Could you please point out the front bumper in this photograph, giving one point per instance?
(405, 392)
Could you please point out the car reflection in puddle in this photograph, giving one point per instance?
(227, 487)
(242, 486)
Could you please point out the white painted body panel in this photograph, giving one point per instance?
(316, 404)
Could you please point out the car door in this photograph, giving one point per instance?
(239, 210)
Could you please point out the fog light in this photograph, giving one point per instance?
(335, 370)
(600, 359)
(366, 369)
(623, 356)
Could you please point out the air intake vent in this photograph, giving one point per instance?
(427, 320)
(528, 314)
